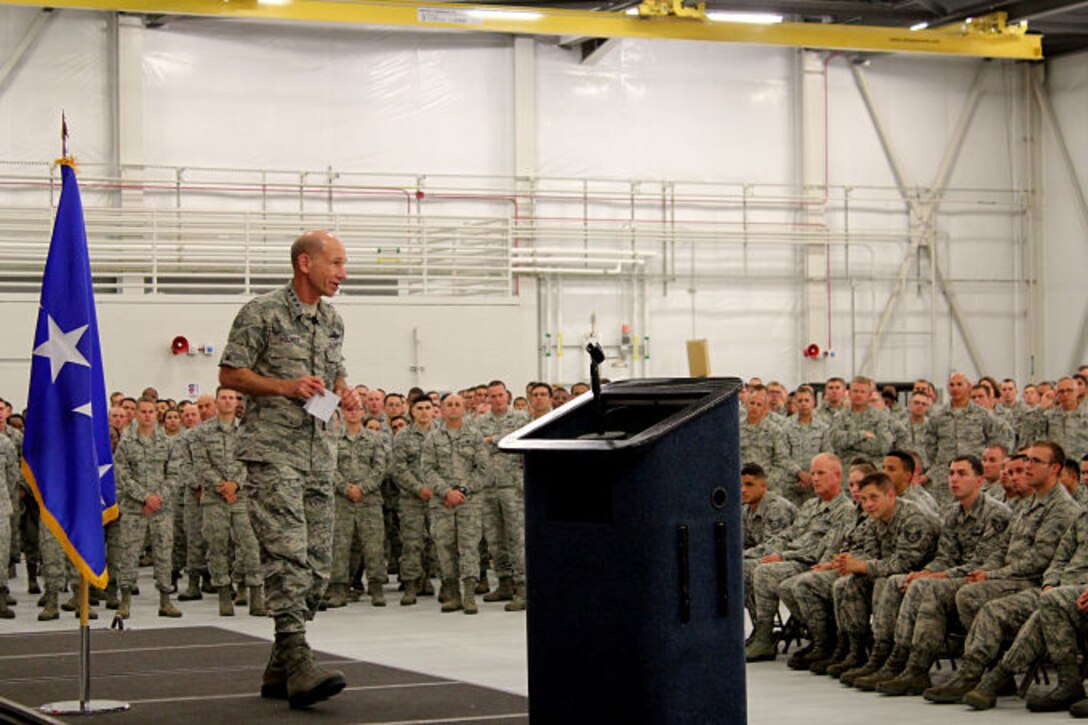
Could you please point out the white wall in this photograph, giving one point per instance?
(247, 94)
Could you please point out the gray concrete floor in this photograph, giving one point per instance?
(489, 649)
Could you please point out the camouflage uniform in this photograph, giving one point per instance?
(141, 467)
(1033, 539)
(504, 497)
(189, 491)
(456, 458)
(798, 545)
(910, 436)
(1032, 426)
(290, 455)
(360, 461)
(1031, 615)
(849, 440)
(827, 414)
(808, 595)
(803, 442)
(968, 539)
(408, 474)
(9, 466)
(922, 498)
(1069, 429)
(1014, 416)
(773, 516)
(764, 444)
(957, 432)
(213, 445)
(900, 545)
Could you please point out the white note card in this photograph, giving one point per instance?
(322, 405)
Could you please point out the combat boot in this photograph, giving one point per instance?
(518, 603)
(72, 605)
(891, 668)
(504, 592)
(444, 592)
(763, 648)
(409, 596)
(469, 601)
(984, 696)
(952, 692)
(226, 604)
(240, 599)
(1069, 690)
(1079, 710)
(307, 683)
(256, 602)
(377, 593)
(799, 660)
(832, 656)
(483, 586)
(336, 596)
(49, 610)
(193, 593)
(167, 608)
(126, 603)
(880, 652)
(32, 579)
(855, 657)
(206, 585)
(5, 610)
(274, 678)
(111, 595)
(453, 595)
(426, 588)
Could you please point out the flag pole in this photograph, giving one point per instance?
(85, 705)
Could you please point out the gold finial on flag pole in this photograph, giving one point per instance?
(65, 159)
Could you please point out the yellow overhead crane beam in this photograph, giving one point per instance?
(987, 37)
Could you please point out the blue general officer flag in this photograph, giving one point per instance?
(66, 449)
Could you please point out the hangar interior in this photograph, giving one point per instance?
(504, 197)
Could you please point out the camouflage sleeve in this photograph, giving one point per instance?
(1033, 565)
(841, 435)
(375, 472)
(991, 547)
(14, 476)
(780, 461)
(134, 488)
(881, 441)
(402, 473)
(174, 471)
(948, 548)
(429, 464)
(203, 470)
(339, 482)
(998, 432)
(1066, 548)
(483, 462)
(247, 339)
(931, 445)
(913, 548)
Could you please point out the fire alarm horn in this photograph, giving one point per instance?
(180, 345)
(812, 351)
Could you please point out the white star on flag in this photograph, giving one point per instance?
(84, 409)
(60, 348)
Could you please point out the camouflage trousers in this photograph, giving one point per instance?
(135, 529)
(417, 548)
(457, 532)
(225, 523)
(811, 595)
(764, 583)
(181, 542)
(853, 596)
(504, 528)
(997, 624)
(29, 523)
(293, 517)
(5, 549)
(13, 540)
(196, 548)
(1062, 623)
(363, 522)
(929, 608)
(55, 563)
(888, 605)
(971, 598)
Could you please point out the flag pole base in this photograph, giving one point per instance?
(90, 707)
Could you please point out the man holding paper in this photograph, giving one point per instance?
(286, 349)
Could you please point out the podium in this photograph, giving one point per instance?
(633, 556)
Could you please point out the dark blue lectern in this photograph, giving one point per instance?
(633, 556)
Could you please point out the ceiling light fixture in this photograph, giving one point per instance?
(753, 18)
(920, 26)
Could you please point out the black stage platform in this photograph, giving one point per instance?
(212, 675)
